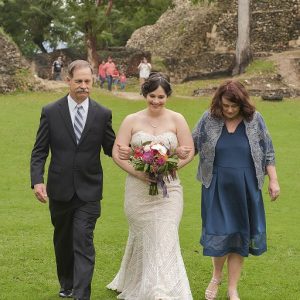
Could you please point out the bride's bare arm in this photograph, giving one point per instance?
(123, 138)
(185, 141)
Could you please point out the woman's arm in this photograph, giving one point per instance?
(270, 170)
(184, 139)
(123, 138)
(270, 153)
(273, 188)
(197, 131)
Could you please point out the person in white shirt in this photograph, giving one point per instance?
(144, 70)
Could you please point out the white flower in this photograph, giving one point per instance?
(160, 148)
(147, 148)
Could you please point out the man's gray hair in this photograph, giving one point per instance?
(78, 64)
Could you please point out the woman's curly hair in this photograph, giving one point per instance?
(235, 92)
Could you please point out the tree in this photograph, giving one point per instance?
(89, 19)
(243, 54)
(82, 24)
(111, 22)
(30, 23)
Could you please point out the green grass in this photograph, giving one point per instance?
(27, 268)
(187, 88)
(260, 66)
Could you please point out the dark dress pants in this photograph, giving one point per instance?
(74, 223)
(109, 82)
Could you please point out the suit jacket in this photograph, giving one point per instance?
(73, 168)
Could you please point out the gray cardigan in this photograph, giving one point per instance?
(207, 132)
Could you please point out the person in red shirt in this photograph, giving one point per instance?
(109, 68)
(115, 79)
(122, 80)
(101, 73)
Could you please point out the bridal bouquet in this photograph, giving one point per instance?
(158, 161)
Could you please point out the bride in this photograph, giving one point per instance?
(152, 267)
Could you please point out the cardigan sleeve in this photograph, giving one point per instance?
(196, 133)
(270, 153)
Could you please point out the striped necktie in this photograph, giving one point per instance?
(78, 123)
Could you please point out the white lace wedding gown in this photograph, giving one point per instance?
(152, 267)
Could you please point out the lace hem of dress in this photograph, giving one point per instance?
(159, 296)
(152, 267)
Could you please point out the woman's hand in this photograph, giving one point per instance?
(143, 176)
(124, 151)
(274, 189)
(183, 151)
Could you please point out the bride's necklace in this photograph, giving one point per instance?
(154, 122)
(153, 125)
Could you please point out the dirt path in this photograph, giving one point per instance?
(50, 85)
(129, 95)
(288, 64)
(137, 96)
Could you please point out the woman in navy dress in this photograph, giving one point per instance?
(235, 152)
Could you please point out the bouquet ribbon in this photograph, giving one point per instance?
(163, 185)
(159, 179)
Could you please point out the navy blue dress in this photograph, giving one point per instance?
(233, 215)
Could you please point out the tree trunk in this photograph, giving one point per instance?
(91, 44)
(38, 40)
(243, 54)
(109, 7)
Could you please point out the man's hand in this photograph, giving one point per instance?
(40, 192)
(124, 151)
(183, 151)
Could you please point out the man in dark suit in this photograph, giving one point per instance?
(75, 129)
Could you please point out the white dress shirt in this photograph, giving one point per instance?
(73, 107)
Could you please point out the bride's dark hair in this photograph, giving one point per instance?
(155, 80)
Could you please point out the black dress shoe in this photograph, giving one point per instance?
(65, 294)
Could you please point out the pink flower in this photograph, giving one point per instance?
(148, 157)
(158, 162)
(161, 161)
(138, 152)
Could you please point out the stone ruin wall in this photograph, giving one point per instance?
(196, 41)
(274, 24)
(189, 42)
(14, 70)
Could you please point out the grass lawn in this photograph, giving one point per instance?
(27, 268)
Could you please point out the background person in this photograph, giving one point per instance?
(76, 129)
(235, 151)
(57, 69)
(123, 81)
(109, 68)
(101, 74)
(144, 70)
(115, 79)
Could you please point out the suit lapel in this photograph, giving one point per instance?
(89, 120)
(65, 112)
